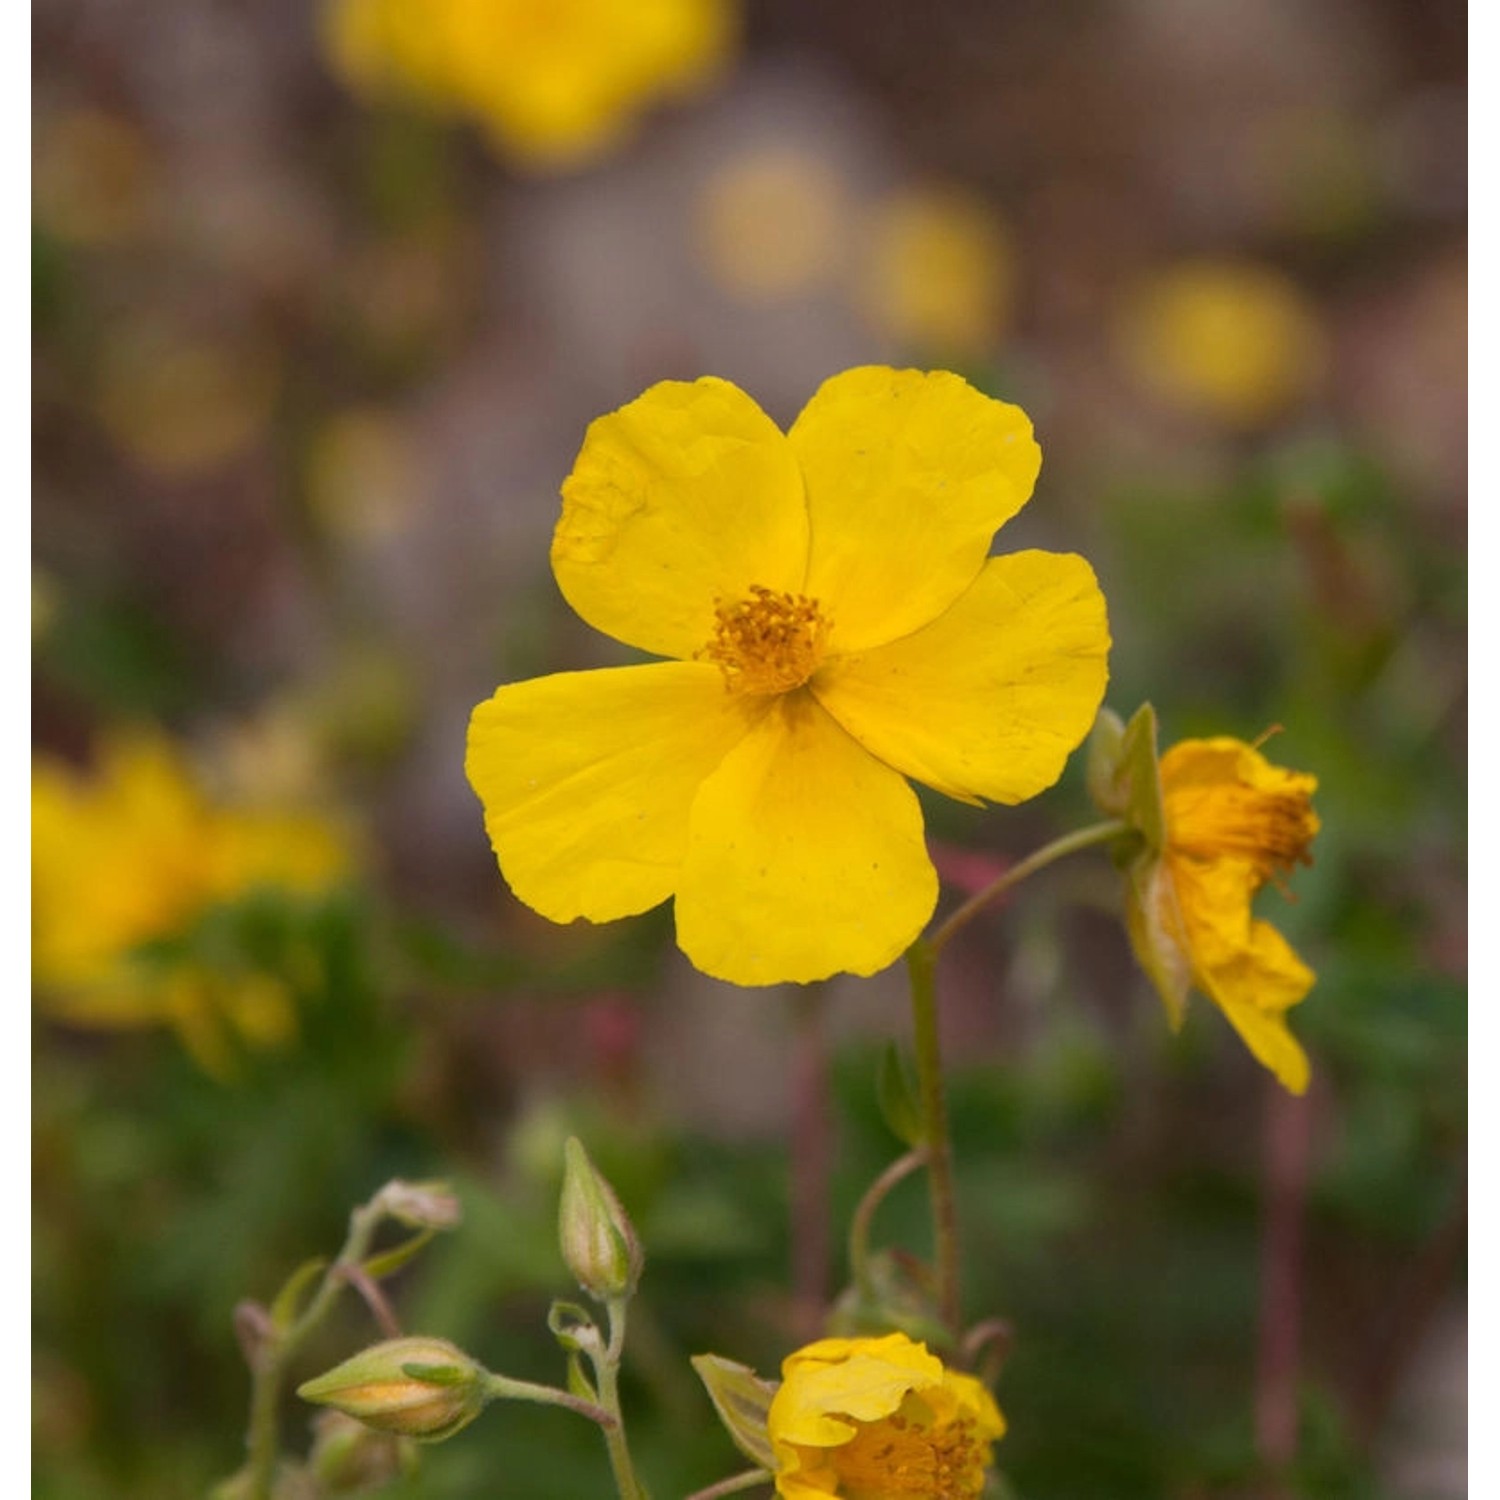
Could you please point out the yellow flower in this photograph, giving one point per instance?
(1236, 342)
(837, 625)
(135, 854)
(876, 1419)
(1220, 821)
(554, 81)
(941, 271)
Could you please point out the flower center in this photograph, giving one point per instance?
(771, 642)
(902, 1456)
(1273, 830)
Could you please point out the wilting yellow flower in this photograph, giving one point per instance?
(1219, 821)
(837, 625)
(1232, 341)
(135, 854)
(876, 1419)
(941, 271)
(554, 81)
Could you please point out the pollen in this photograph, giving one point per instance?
(770, 642)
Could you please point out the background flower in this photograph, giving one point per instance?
(127, 860)
(554, 81)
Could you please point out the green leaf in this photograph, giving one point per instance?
(579, 1383)
(898, 1099)
(288, 1301)
(1138, 766)
(1103, 762)
(742, 1400)
(572, 1326)
(390, 1261)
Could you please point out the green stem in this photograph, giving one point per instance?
(1069, 843)
(746, 1481)
(859, 1226)
(606, 1371)
(268, 1368)
(921, 964)
(504, 1388)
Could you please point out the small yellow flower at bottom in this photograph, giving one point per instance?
(877, 1419)
(1220, 821)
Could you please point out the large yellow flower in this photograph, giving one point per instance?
(837, 625)
(554, 81)
(877, 1419)
(1219, 821)
(134, 855)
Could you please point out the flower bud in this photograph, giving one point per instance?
(348, 1456)
(418, 1387)
(598, 1242)
(420, 1205)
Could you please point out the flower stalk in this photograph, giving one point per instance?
(864, 1216)
(921, 967)
(1069, 843)
(607, 1371)
(278, 1346)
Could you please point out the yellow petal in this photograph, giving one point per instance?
(587, 779)
(823, 1395)
(908, 477)
(805, 857)
(972, 1399)
(1246, 967)
(688, 496)
(991, 698)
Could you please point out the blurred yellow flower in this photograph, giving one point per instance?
(180, 404)
(837, 625)
(879, 1418)
(554, 81)
(135, 854)
(941, 271)
(1230, 822)
(773, 223)
(1232, 341)
(91, 177)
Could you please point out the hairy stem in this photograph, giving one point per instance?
(269, 1364)
(746, 1481)
(607, 1370)
(1288, 1137)
(921, 965)
(811, 1159)
(876, 1194)
(1069, 843)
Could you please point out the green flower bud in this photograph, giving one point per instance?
(348, 1456)
(598, 1242)
(417, 1387)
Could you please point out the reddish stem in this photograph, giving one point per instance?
(812, 1157)
(1288, 1141)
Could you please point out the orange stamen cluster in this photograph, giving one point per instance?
(905, 1456)
(1272, 829)
(771, 642)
